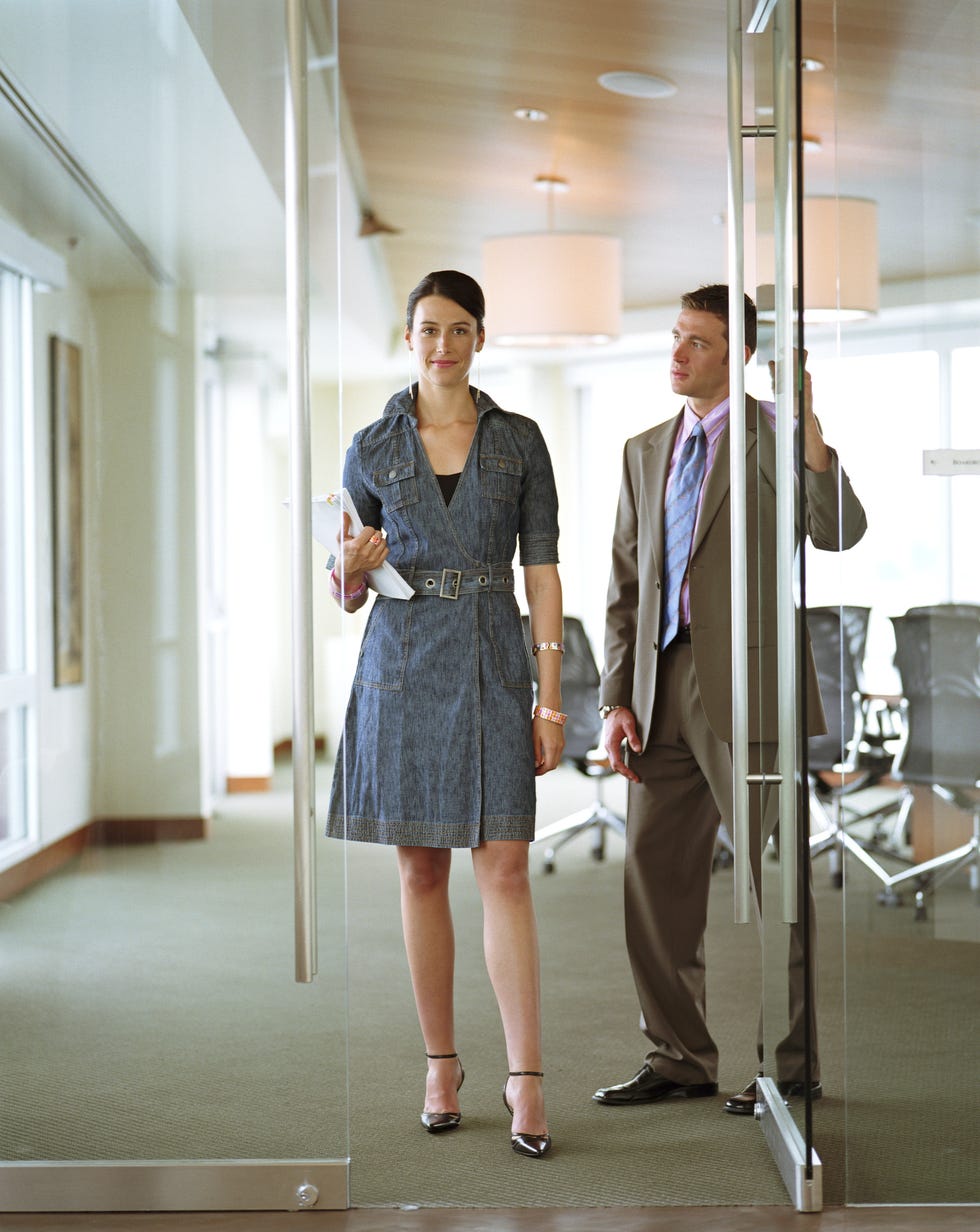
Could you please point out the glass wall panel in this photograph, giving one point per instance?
(902, 401)
(152, 1015)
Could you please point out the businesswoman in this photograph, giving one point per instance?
(440, 747)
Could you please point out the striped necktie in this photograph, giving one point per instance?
(681, 513)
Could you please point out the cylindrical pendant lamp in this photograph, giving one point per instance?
(840, 259)
(552, 289)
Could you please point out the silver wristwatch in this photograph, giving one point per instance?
(604, 711)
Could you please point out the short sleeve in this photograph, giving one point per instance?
(538, 532)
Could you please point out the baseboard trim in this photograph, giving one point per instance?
(284, 748)
(107, 831)
(235, 786)
(41, 864)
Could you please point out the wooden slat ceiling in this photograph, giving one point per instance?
(432, 88)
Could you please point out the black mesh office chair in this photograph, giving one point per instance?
(583, 728)
(854, 754)
(945, 609)
(937, 654)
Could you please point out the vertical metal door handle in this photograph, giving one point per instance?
(736, 431)
(785, 771)
(783, 81)
(300, 495)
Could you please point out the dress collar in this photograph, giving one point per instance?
(403, 403)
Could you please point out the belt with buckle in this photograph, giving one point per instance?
(451, 583)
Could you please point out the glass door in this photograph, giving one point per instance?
(404, 87)
(165, 1043)
(909, 929)
(886, 783)
(783, 480)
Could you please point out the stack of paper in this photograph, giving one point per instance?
(327, 523)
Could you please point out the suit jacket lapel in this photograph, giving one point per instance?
(718, 483)
(656, 467)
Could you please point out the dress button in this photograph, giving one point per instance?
(483, 580)
(392, 474)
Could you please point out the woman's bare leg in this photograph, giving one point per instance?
(428, 929)
(510, 943)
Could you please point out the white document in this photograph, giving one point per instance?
(327, 521)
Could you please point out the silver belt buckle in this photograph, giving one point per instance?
(455, 579)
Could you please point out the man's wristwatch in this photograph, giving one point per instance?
(605, 711)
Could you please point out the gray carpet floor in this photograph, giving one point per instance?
(150, 1012)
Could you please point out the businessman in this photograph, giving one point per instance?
(666, 691)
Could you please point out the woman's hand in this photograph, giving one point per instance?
(359, 553)
(549, 741)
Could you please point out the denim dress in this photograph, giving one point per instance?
(437, 748)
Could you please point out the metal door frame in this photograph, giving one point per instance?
(798, 1163)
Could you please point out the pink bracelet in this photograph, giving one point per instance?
(553, 716)
(338, 593)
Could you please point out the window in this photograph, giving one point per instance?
(17, 678)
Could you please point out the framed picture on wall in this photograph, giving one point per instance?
(66, 510)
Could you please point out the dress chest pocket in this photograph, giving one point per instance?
(397, 485)
(500, 477)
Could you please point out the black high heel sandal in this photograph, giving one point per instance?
(531, 1145)
(439, 1122)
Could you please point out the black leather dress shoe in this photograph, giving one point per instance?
(647, 1087)
(743, 1104)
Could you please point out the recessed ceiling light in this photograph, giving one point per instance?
(534, 114)
(637, 85)
(551, 183)
(810, 64)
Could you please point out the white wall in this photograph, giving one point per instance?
(125, 742)
(143, 570)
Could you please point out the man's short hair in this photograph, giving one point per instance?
(714, 299)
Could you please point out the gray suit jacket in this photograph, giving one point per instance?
(636, 578)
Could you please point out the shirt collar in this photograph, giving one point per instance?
(713, 423)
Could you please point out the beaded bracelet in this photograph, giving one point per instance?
(559, 646)
(553, 716)
(339, 593)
